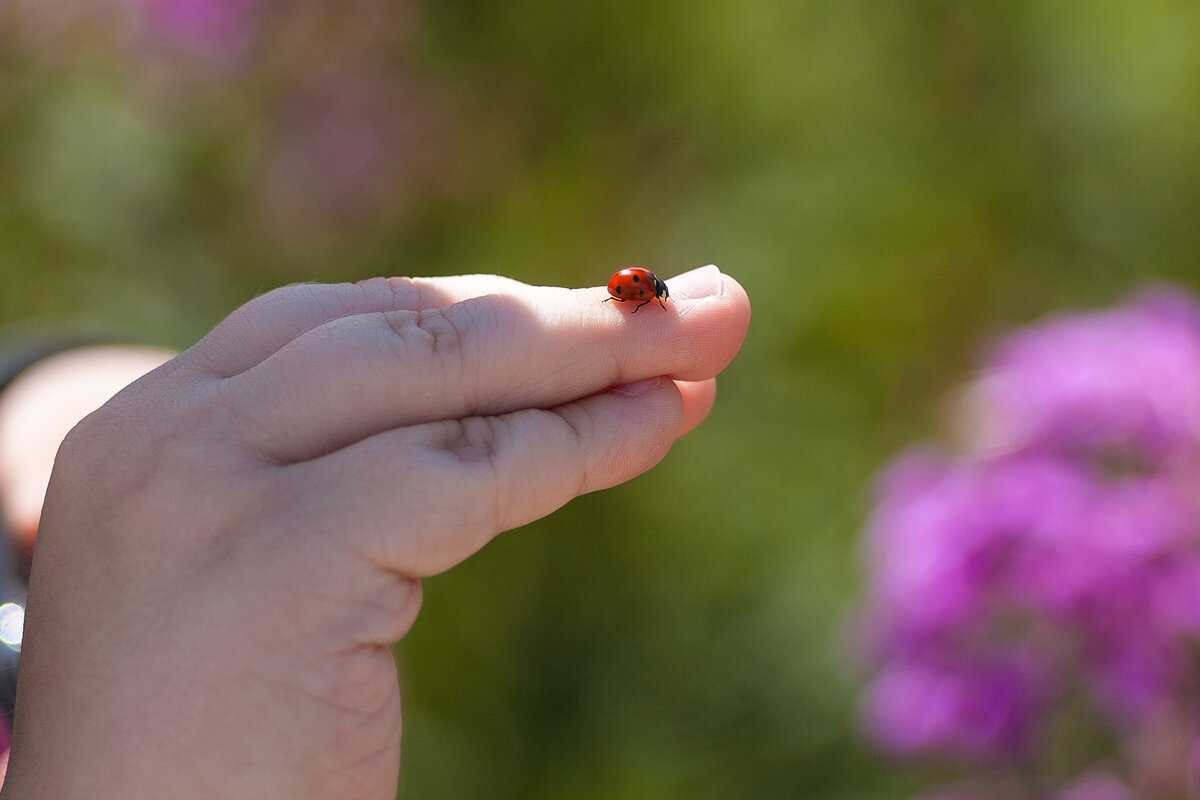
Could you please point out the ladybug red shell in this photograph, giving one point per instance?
(638, 284)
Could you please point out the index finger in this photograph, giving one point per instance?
(535, 347)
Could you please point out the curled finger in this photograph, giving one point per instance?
(419, 500)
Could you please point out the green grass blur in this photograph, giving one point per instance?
(893, 182)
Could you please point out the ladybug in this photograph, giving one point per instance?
(637, 283)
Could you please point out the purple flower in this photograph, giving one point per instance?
(981, 708)
(1034, 549)
(1059, 558)
(946, 538)
(1174, 601)
(1125, 377)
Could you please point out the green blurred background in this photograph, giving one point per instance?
(893, 182)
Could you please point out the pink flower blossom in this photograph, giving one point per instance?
(1058, 559)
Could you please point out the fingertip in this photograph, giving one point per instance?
(698, 400)
(718, 310)
(707, 281)
(640, 422)
(697, 283)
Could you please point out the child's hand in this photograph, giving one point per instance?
(230, 546)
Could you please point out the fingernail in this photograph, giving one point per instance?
(697, 283)
(637, 387)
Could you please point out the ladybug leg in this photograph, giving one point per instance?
(640, 305)
(661, 303)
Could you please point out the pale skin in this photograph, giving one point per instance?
(231, 545)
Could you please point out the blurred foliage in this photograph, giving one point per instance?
(893, 182)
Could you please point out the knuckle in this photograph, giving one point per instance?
(429, 332)
(477, 446)
(475, 442)
(109, 454)
(579, 430)
(442, 342)
(445, 338)
(146, 465)
(402, 292)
